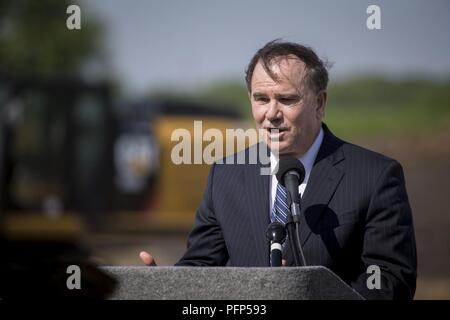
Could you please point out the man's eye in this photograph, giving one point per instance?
(262, 99)
(288, 100)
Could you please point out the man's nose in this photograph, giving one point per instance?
(273, 112)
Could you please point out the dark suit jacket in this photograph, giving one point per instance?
(355, 213)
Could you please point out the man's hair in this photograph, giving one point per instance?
(316, 71)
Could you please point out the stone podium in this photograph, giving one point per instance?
(229, 283)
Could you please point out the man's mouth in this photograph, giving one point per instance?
(275, 130)
(276, 134)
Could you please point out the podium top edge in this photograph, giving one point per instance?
(308, 268)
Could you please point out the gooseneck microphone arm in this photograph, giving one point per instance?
(293, 242)
(293, 226)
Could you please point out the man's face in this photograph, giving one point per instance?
(288, 104)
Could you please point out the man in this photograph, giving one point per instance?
(355, 210)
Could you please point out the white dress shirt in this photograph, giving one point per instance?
(307, 160)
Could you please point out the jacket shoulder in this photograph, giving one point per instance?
(370, 165)
(353, 151)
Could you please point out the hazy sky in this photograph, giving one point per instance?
(156, 43)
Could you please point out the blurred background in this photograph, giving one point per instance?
(86, 115)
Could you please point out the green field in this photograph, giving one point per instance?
(377, 106)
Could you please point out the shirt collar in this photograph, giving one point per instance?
(310, 156)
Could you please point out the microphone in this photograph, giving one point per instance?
(290, 175)
(276, 234)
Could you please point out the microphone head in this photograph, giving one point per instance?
(276, 232)
(289, 163)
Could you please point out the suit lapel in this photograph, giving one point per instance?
(322, 184)
(258, 209)
(325, 178)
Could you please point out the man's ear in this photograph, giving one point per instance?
(321, 103)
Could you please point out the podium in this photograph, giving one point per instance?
(228, 283)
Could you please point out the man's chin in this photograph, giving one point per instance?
(279, 149)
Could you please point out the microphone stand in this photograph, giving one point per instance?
(293, 231)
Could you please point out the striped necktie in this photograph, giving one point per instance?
(280, 208)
